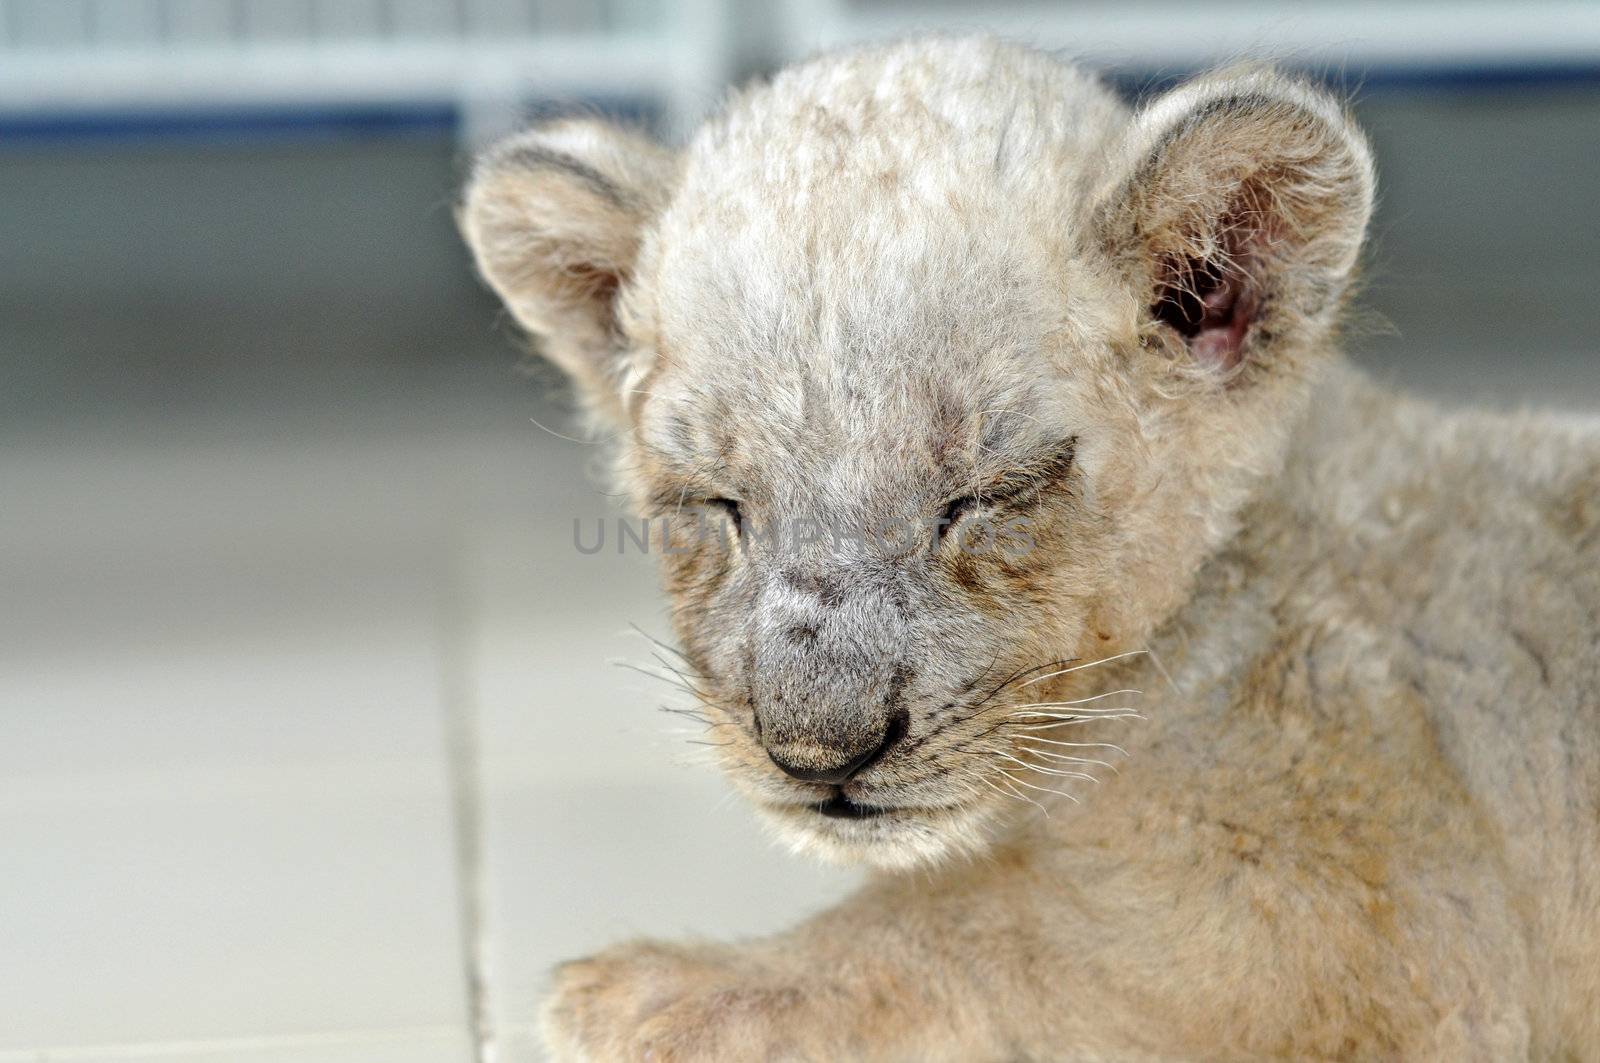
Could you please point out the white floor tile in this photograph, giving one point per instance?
(270, 902)
(224, 802)
(404, 1045)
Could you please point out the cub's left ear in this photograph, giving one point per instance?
(1240, 214)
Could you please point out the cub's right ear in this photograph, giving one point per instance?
(555, 217)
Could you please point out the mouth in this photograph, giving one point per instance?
(841, 807)
(840, 830)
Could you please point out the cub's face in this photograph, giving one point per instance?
(877, 533)
(931, 442)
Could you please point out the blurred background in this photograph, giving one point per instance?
(310, 743)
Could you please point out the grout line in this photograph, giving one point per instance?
(214, 1046)
(464, 762)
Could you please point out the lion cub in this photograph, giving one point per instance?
(1269, 723)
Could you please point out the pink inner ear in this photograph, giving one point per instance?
(1211, 308)
(1228, 311)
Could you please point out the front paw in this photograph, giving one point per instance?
(671, 1003)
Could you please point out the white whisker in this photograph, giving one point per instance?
(1044, 770)
(1013, 795)
(1011, 784)
(1164, 673)
(1081, 667)
(1080, 701)
(1044, 790)
(1074, 760)
(675, 680)
(1076, 714)
(1071, 720)
(1075, 745)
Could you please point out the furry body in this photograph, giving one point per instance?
(1360, 817)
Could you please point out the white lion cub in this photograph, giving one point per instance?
(1306, 675)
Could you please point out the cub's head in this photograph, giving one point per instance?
(946, 371)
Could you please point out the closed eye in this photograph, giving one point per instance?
(952, 513)
(731, 509)
(1022, 485)
(1015, 489)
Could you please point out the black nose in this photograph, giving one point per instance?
(858, 760)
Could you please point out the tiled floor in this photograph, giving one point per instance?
(222, 777)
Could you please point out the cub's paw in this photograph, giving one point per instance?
(647, 1001)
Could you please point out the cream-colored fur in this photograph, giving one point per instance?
(1341, 796)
